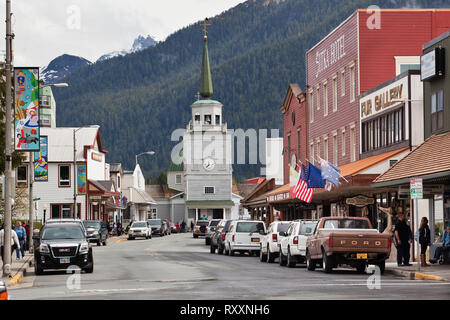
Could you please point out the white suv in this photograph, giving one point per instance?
(244, 236)
(269, 243)
(293, 244)
(140, 229)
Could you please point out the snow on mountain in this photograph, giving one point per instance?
(61, 67)
(140, 43)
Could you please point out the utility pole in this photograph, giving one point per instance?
(8, 149)
(31, 202)
(75, 176)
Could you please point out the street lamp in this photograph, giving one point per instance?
(140, 154)
(75, 208)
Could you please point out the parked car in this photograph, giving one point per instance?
(269, 242)
(96, 231)
(157, 226)
(140, 229)
(67, 220)
(218, 237)
(292, 246)
(3, 291)
(61, 245)
(200, 228)
(347, 241)
(210, 230)
(244, 236)
(173, 228)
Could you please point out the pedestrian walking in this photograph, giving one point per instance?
(183, 226)
(424, 240)
(27, 231)
(14, 241)
(404, 237)
(192, 225)
(119, 229)
(22, 235)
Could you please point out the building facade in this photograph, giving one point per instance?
(349, 61)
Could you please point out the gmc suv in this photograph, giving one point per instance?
(60, 245)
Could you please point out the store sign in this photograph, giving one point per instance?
(97, 157)
(432, 64)
(360, 201)
(331, 55)
(387, 97)
(416, 188)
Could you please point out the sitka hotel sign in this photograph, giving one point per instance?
(330, 55)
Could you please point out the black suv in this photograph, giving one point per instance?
(157, 226)
(96, 231)
(60, 245)
(218, 237)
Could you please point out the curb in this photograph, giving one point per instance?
(20, 274)
(412, 275)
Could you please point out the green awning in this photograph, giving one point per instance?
(210, 203)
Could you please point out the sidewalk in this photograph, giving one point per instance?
(433, 272)
(18, 269)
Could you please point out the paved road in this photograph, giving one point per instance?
(180, 267)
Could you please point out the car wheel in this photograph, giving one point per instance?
(290, 260)
(310, 263)
(361, 268)
(38, 269)
(231, 252)
(382, 266)
(195, 236)
(326, 263)
(90, 269)
(99, 242)
(104, 242)
(270, 256)
(262, 255)
(212, 249)
(282, 259)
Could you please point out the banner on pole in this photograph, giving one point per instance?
(26, 109)
(81, 178)
(40, 161)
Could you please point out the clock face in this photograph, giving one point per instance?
(209, 164)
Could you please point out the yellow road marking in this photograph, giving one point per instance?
(16, 279)
(424, 276)
(122, 240)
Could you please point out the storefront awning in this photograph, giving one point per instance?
(429, 161)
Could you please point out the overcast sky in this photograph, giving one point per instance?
(45, 29)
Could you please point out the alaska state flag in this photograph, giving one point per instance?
(330, 172)
(315, 178)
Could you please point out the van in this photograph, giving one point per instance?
(244, 236)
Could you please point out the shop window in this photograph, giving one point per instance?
(22, 176)
(64, 211)
(64, 175)
(437, 111)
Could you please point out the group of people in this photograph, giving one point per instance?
(403, 239)
(117, 229)
(20, 239)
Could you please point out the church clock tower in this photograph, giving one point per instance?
(207, 153)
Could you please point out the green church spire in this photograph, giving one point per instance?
(206, 88)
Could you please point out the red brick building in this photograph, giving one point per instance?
(295, 128)
(364, 51)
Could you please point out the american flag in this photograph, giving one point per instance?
(301, 190)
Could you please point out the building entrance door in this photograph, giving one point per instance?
(218, 214)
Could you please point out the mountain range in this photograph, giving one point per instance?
(62, 66)
(256, 49)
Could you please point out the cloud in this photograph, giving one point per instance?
(45, 29)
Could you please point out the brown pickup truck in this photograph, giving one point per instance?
(347, 241)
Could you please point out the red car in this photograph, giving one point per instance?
(174, 228)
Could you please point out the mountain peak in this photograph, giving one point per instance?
(61, 67)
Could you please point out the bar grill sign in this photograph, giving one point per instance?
(416, 187)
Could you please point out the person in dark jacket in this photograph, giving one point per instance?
(424, 240)
(404, 237)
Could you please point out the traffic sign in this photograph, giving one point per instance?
(416, 188)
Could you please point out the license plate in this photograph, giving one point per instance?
(361, 256)
(64, 260)
(255, 239)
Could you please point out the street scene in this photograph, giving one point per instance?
(260, 153)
